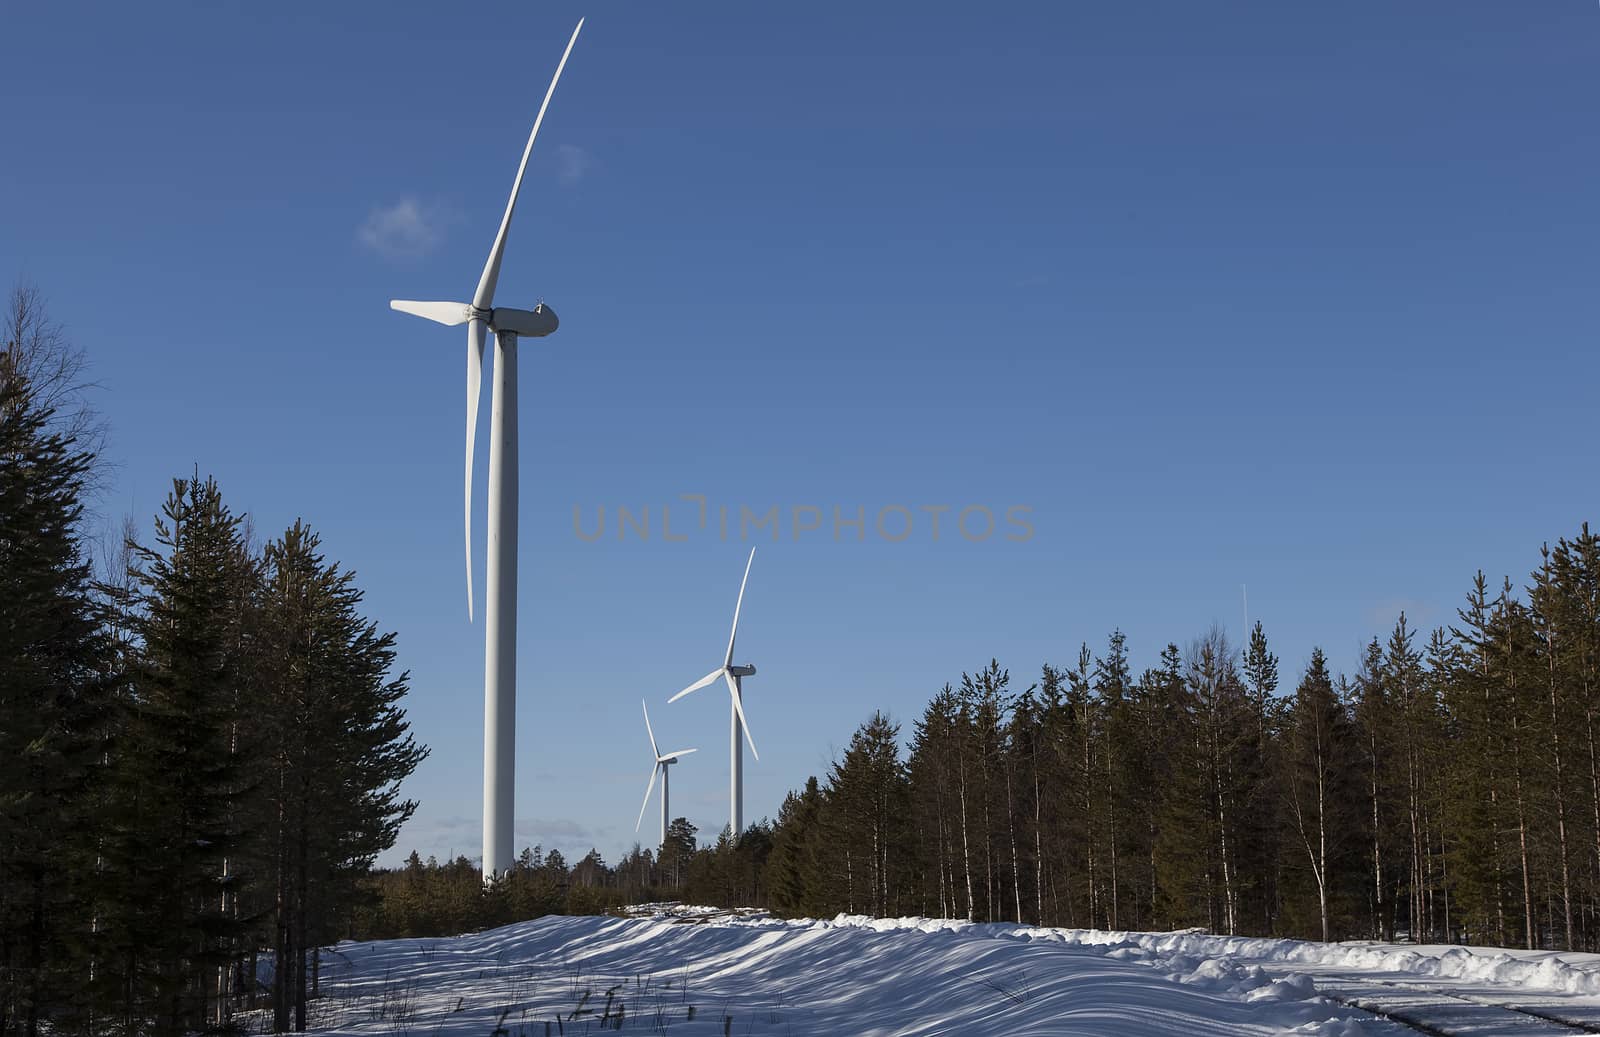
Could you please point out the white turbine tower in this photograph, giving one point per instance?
(734, 675)
(661, 765)
(500, 606)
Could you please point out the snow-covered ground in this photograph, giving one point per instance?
(704, 972)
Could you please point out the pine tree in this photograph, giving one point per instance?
(934, 770)
(1086, 751)
(339, 748)
(178, 785)
(1158, 697)
(791, 863)
(1060, 829)
(863, 814)
(1578, 576)
(54, 708)
(1119, 779)
(1550, 615)
(983, 704)
(1511, 675)
(676, 851)
(1475, 802)
(1023, 757)
(1411, 698)
(1260, 775)
(1375, 715)
(1321, 798)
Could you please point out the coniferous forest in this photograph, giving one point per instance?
(1448, 791)
(201, 739)
(202, 745)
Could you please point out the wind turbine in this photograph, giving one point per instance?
(500, 606)
(661, 765)
(734, 675)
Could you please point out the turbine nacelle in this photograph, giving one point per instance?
(535, 323)
(747, 670)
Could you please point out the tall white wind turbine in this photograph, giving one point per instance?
(661, 765)
(734, 676)
(500, 606)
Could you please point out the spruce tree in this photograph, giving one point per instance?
(179, 786)
(54, 710)
(1321, 797)
(791, 863)
(1476, 798)
(1261, 778)
(338, 748)
(864, 813)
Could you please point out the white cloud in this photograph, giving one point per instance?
(572, 163)
(407, 229)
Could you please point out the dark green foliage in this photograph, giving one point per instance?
(177, 781)
(1320, 794)
(863, 822)
(53, 708)
(1445, 792)
(793, 876)
(199, 756)
(334, 748)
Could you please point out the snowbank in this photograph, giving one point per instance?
(848, 975)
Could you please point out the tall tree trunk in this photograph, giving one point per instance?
(1522, 840)
(1560, 784)
(1088, 820)
(1322, 845)
(302, 895)
(1413, 810)
(1038, 837)
(1111, 822)
(1016, 868)
(1377, 839)
(966, 845)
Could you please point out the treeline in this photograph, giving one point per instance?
(200, 748)
(426, 898)
(1448, 791)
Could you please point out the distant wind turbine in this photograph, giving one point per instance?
(734, 675)
(500, 606)
(661, 765)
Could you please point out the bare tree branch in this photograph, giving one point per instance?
(35, 349)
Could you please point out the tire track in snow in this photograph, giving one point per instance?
(1523, 1020)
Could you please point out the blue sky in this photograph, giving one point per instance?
(1301, 297)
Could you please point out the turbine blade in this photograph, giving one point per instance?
(738, 707)
(697, 685)
(680, 752)
(649, 730)
(475, 335)
(736, 605)
(446, 313)
(654, 770)
(484, 296)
